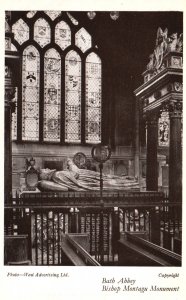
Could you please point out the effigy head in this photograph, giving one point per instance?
(69, 161)
(71, 165)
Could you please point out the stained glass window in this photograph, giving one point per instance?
(42, 115)
(13, 48)
(83, 40)
(52, 96)
(163, 129)
(30, 94)
(14, 119)
(93, 99)
(31, 14)
(72, 19)
(42, 32)
(72, 97)
(21, 31)
(53, 14)
(62, 35)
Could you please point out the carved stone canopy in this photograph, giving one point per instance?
(164, 44)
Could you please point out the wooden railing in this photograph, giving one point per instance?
(136, 251)
(91, 199)
(44, 217)
(74, 253)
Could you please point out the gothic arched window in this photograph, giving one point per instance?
(60, 97)
(52, 96)
(93, 99)
(30, 94)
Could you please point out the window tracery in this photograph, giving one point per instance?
(60, 89)
(83, 40)
(63, 35)
(21, 31)
(42, 33)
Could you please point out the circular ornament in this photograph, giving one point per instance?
(178, 86)
(80, 160)
(101, 153)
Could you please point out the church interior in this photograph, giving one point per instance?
(93, 138)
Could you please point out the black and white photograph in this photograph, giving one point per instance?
(93, 140)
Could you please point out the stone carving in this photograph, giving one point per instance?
(76, 179)
(161, 47)
(164, 44)
(7, 22)
(10, 98)
(175, 43)
(178, 86)
(163, 129)
(173, 107)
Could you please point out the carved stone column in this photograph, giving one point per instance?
(137, 143)
(175, 152)
(9, 108)
(152, 165)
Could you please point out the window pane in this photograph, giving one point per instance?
(31, 14)
(93, 99)
(42, 32)
(83, 40)
(13, 48)
(72, 97)
(52, 96)
(53, 14)
(21, 31)
(62, 35)
(30, 94)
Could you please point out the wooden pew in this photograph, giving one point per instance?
(134, 250)
(74, 250)
(16, 250)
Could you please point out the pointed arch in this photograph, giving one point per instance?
(62, 35)
(42, 32)
(93, 98)
(72, 97)
(30, 93)
(66, 106)
(52, 96)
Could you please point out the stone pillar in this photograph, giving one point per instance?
(152, 165)
(175, 152)
(9, 108)
(137, 144)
